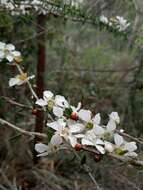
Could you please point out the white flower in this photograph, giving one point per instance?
(86, 116)
(110, 128)
(91, 139)
(91, 122)
(8, 51)
(122, 23)
(106, 132)
(128, 147)
(63, 132)
(47, 96)
(63, 108)
(60, 105)
(20, 79)
(103, 19)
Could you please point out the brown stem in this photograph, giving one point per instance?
(41, 44)
(22, 131)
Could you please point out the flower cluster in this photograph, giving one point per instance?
(117, 22)
(80, 128)
(41, 7)
(71, 125)
(13, 57)
(8, 52)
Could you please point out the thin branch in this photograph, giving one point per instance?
(13, 102)
(24, 132)
(131, 69)
(130, 137)
(30, 38)
(127, 160)
(88, 170)
(117, 157)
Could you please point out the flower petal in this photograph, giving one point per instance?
(41, 102)
(58, 111)
(61, 101)
(99, 141)
(111, 126)
(78, 106)
(47, 95)
(2, 45)
(109, 147)
(98, 130)
(56, 140)
(118, 139)
(76, 128)
(100, 149)
(115, 117)
(97, 119)
(10, 57)
(16, 53)
(55, 125)
(43, 154)
(73, 140)
(131, 146)
(13, 82)
(40, 147)
(2, 54)
(31, 77)
(10, 47)
(85, 115)
(85, 141)
(131, 154)
(79, 136)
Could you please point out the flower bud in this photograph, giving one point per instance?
(97, 157)
(74, 116)
(34, 111)
(78, 147)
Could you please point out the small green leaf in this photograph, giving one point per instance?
(68, 112)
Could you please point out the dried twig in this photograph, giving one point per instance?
(24, 132)
(13, 102)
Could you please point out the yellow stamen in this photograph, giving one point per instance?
(23, 76)
(18, 59)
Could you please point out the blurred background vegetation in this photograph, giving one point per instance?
(84, 63)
